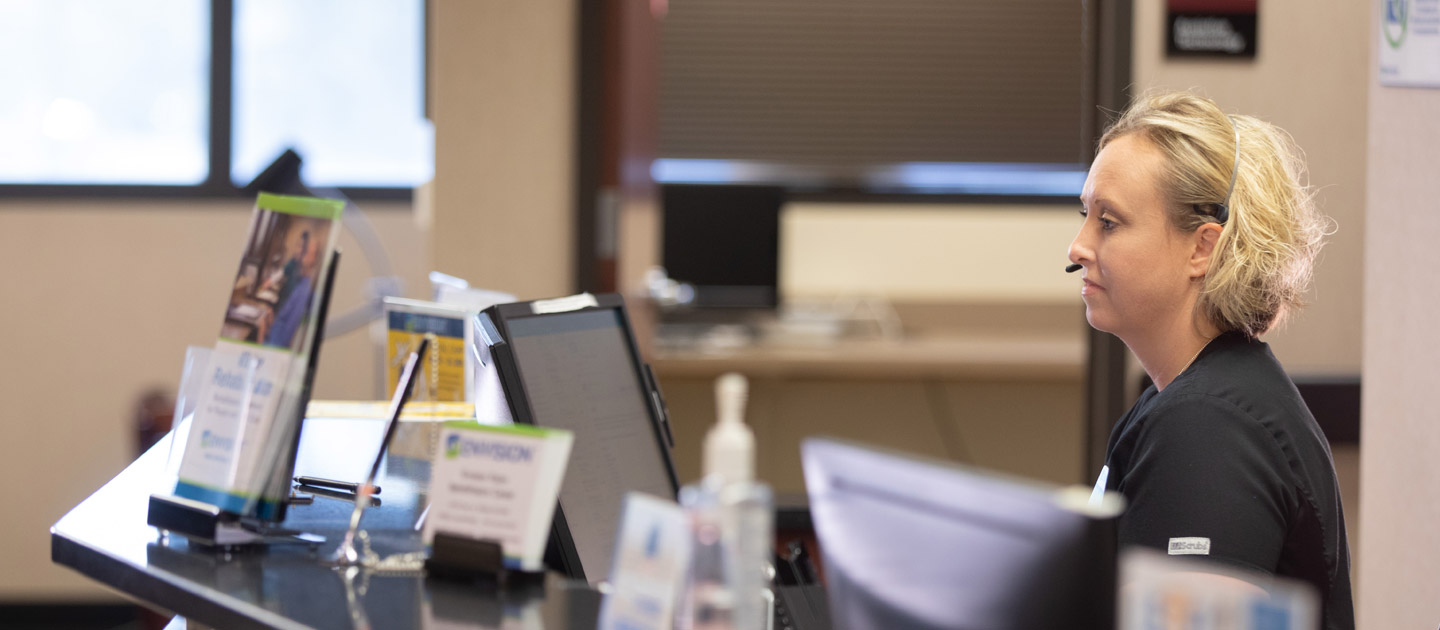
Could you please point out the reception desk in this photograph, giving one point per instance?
(290, 586)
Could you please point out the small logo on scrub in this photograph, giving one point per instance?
(1190, 546)
(452, 447)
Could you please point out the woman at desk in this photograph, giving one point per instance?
(1198, 236)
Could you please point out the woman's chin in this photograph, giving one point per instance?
(1098, 321)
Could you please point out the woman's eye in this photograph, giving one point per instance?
(1107, 224)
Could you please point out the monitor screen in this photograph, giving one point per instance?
(724, 241)
(580, 374)
(913, 543)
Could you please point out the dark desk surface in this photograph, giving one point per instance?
(106, 539)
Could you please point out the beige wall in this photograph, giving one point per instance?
(101, 297)
(1307, 78)
(1400, 438)
(929, 252)
(503, 91)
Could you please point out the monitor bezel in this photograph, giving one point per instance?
(835, 467)
(561, 550)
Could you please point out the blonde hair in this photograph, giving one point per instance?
(1263, 261)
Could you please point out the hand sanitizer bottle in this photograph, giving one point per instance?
(732, 517)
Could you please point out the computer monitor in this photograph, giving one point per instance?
(724, 241)
(575, 366)
(915, 543)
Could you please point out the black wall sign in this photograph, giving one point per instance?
(1211, 28)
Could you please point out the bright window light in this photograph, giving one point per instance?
(101, 92)
(339, 81)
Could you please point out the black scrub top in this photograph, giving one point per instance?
(1227, 463)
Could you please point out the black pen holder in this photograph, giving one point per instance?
(474, 560)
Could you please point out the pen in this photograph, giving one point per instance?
(346, 553)
(347, 497)
(320, 482)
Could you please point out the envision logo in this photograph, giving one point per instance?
(208, 439)
(1396, 22)
(457, 446)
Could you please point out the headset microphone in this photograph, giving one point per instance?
(1073, 268)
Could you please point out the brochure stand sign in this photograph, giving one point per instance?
(250, 394)
(493, 493)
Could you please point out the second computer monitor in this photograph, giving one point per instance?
(724, 240)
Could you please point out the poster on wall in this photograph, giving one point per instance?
(1211, 28)
(1410, 43)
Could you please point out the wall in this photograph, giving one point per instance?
(503, 92)
(1313, 59)
(929, 252)
(101, 298)
(1400, 473)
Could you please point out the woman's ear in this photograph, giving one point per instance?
(1205, 238)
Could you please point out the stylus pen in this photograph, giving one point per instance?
(346, 554)
(397, 403)
(348, 497)
(321, 482)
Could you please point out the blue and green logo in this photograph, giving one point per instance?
(1396, 22)
(494, 450)
(211, 440)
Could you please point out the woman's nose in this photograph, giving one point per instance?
(1080, 249)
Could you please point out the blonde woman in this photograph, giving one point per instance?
(1199, 235)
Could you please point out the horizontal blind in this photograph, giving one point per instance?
(856, 83)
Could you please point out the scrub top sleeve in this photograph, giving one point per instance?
(1203, 482)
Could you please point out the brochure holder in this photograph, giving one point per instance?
(197, 359)
(198, 521)
(270, 495)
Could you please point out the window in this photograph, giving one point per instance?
(85, 103)
(341, 82)
(135, 96)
